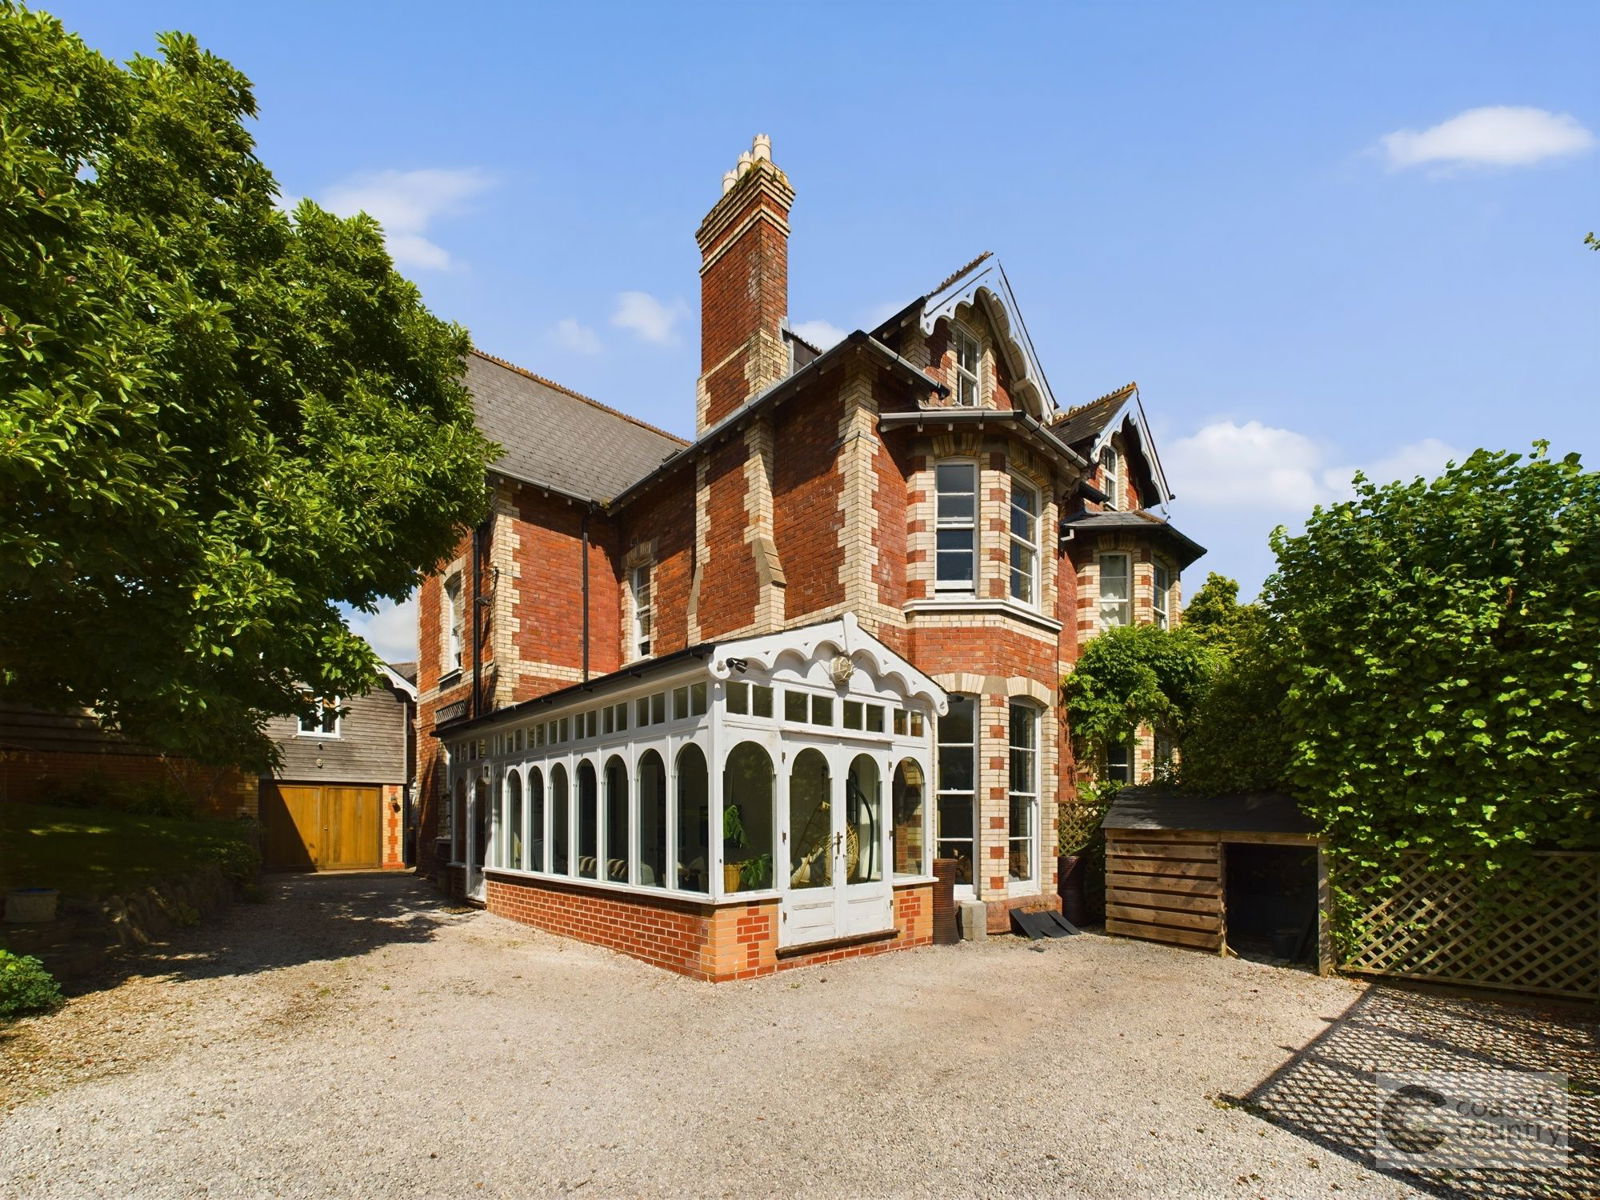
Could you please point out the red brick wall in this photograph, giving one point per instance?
(665, 515)
(549, 612)
(744, 292)
(729, 587)
(806, 487)
(703, 941)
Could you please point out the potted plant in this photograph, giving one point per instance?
(733, 840)
(756, 873)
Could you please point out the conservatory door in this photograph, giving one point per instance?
(834, 843)
(479, 835)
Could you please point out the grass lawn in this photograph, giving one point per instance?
(95, 852)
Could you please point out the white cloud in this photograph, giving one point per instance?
(1494, 136)
(406, 204)
(1265, 468)
(821, 334)
(1252, 464)
(571, 334)
(392, 630)
(652, 319)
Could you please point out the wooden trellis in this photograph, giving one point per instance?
(1080, 824)
(1435, 925)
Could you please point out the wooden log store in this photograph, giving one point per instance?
(1231, 874)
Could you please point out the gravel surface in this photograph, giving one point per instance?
(356, 1037)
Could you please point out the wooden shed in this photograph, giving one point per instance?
(1235, 874)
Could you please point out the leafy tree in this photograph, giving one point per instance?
(1216, 617)
(1136, 675)
(1439, 643)
(217, 421)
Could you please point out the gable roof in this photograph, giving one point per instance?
(557, 439)
(1089, 420)
(982, 284)
(1089, 427)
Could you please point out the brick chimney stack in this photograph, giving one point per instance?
(744, 285)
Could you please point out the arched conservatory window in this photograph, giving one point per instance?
(810, 822)
(588, 821)
(560, 822)
(650, 868)
(617, 820)
(536, 836)
(747, 819)
(863, 815)
(691, 871)
(511, 837)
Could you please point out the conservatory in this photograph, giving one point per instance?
(724, 811)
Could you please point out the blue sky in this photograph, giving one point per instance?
(1320, 236)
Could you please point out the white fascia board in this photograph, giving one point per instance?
(398, 681)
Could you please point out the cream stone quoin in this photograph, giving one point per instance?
(818, 739)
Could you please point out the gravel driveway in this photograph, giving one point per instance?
(355, 1037)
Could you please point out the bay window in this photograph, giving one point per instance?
(956, 519)
(1024, 543)
(1116, 591)
(1024, 792)
(958, 758)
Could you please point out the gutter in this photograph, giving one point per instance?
(663, 665)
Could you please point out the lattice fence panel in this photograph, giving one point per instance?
(1080, 825)
(1436, 925)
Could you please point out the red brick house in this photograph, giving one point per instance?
(720, 704)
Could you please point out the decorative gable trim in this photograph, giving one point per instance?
(984, 286)
(845, 645)
(1132, 409)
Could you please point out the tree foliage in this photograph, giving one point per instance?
(1439, 642)
(218, 422)
(1136, 675)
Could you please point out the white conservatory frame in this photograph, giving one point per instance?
(830, 666)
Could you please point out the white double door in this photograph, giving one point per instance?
(833, 844)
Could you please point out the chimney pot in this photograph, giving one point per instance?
(729, 178)
(761, 148)
(745, 162)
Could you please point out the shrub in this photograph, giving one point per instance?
(25, 986)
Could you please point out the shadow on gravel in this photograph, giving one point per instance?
(1328, 1093)
(305, 918)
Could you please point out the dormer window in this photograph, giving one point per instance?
(1111, 476)
(966, 369)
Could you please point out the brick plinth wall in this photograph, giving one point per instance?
(703, 941)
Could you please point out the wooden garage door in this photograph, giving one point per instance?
(320, 828)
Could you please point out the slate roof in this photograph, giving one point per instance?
(1183, 548)
(1153, 807)
(1084, 423)
(553, 437)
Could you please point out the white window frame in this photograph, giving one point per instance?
(967, 377)
(1111, 475)
(1028, 793)
(1130, 751)
(942, 524)
(454, 625)
(322, 731)
(1126, 603)
(964, 890)
(643, 614)
(1160, 595)
(1035, 588)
